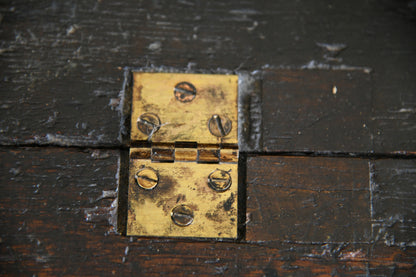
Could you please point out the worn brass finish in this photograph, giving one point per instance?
(183, 179)
(184, 121)
(219, 180)
(200, 154)
(185, 92)
(183, 183)
(147, 178)
(182, 215)
(219, 126)
(148, 123)
(186, 154)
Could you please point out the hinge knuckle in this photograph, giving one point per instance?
(165, 153)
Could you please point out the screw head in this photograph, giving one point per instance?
(148, 123)
(219, 126)
(147, 178)
(182, 215)
(184, 92)
(219, 180)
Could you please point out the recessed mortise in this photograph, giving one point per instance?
(147, 178)
(182, 215)
(148, 123)
(219, 180)
(184, 92)
(219, 126)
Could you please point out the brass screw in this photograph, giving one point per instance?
(148, 123)
(182, 215)
(185, 92)
(147, 178)
(219, 126)
(219, 180)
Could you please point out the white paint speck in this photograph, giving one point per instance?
(332, 47)
(254, 26)
(155, 46)
(402, 110)
(72, 29)
(114, 103)
(334, 90)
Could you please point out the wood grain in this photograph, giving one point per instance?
(308, 200)
(55, 221)
(51, 200)
(335, 111)
(71, 61)
(62, 66)
(394, 201)
(316, 111)
(317, 199)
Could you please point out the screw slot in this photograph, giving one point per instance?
(184, 92)
(219, 126)
(147, 178)
(219, 180)
(182, 215)
(148, 123)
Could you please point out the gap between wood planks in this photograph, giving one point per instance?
(248, 79)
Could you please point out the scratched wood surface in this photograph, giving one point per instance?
(335, 111)
(313, 200)
(337, 165)
(60, 58)
(57, 220)
(317, 111)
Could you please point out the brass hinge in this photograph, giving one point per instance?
(183, 172)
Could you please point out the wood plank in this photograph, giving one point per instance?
(394, 201)
(309, 200)
(49, 198)
(316, 199)
(316, 111)
(56, 220)
(394, 120)
(335, 111)
(383, 260)
(62, 68)
(70, 62)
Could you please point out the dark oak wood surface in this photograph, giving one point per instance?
(329, 173)
(317, 111)
(335, 111)
(57, 213)
(61, 59)
(320, 199)
(308, 200)
(393, 200)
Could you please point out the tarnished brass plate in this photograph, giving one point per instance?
(201, 211)
(186, 183)
(182, 105)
